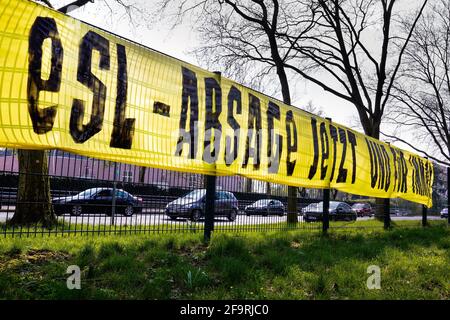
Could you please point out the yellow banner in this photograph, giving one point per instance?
(70, 86)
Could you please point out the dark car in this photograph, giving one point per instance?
(98, 200)
(363, 209)
(444, 213)
(394, 211)
(192, 205)
(265, 207)
(337, 211)
(399, 211)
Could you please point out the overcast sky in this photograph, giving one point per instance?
(179, 41)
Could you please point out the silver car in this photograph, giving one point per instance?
(192, 205)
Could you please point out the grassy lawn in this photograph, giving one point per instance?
(302, 264)
(71, 227)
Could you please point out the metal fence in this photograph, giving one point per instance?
(92, 196)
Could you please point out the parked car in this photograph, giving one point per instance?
(192, 205)
(265, 207)
(394, 211)
(98, 200)
(363, 209)
(399, 212)
(444, 213)
(337, 211)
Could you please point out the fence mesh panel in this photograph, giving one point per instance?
(91, 196)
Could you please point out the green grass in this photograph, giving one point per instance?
(65, 228)
(298, 264)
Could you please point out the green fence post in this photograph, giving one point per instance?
(326, 208)
(113, 203)
(424, 216)
(209, 207)
(326, 205)
(387, 213)
(448, 194)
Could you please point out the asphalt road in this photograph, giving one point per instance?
(157, 217)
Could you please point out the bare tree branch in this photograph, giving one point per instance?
(46, 2)
(426, 154)
(74, 5)
(424, 93)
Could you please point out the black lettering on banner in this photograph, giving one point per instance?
(380, 170)
(189, 103)
(334, 137)
(373, 164)
(387, 167)
(420, 176)
(43, 28)
(234, 96)
(342, 175)
(161, 108)
(254, 124)
(212, 89)
(292, 143)
(401, 171)
(381, 166)
(325, 150)
(353, 144)
(313, 168)
(424, 173)
(273, 111)
(396, 173)
(430, 178)
(414, 174)
(123, 128)
(80, 132)
(430, 174)
(425, 177)
(417, 175)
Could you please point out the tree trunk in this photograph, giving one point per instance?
(248, 185)
(281, 72)
(379, 209)
(302, 192)
(334, 193)
(268, 188)
(33, 194)
(142, 171)
(379, 202)
(34, 203)
(292, 215)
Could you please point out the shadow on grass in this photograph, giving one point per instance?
(281, 265)
(326, 264)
